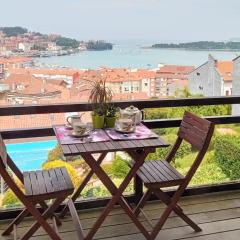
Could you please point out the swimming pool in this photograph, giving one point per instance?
(30, 155)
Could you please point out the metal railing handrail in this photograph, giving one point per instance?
(141, 104)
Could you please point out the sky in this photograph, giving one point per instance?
(133, 20)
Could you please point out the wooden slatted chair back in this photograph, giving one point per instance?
(198, 132)
(3, 153)
(195, 130)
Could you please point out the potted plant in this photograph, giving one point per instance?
(100, 97)
(111, 116)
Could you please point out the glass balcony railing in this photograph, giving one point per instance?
(33, 145)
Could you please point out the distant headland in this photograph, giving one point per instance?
(201, 46)
(21, 41)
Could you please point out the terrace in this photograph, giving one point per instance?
(215, 206)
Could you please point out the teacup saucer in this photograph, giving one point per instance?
(68, 126)
(74, 134)
(118, 129)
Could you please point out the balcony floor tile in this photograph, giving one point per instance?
(218, 214)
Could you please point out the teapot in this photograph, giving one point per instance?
(76, 118)
(133, 113)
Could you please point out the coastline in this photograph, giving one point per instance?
(196, 50)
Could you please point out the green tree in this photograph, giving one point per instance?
(120, 167)
(10, 199)
(13, 31)
(99, 45)
(67, 42)
(55, 154)
(227, 154)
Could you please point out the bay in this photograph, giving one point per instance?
(135, 56)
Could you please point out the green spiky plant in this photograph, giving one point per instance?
(100, 97)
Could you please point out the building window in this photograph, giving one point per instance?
(198, 74)
(145, 84)
(227, 93)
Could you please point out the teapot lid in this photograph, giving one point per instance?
(132, 109)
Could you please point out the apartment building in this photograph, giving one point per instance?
(121, 80)
(169, 79)
(9, 63)
(212, 78)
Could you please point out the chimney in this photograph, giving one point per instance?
(236, 84)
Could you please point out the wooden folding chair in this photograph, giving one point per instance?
(40, 186)
(158, 174)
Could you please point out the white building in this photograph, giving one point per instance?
(213, 78)
(24, 46)
(236, 84)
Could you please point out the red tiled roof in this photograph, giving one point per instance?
(67, 72)
(32, 85)
(176, 69)
(14, 60)
(172, 76)
(225, 68)
(117, 75)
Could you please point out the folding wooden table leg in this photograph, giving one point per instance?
(82, 185)
(142, 202)
(116, 192)
(76, 220)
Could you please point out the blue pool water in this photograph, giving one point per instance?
(30, 155)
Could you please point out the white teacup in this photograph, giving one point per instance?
(125, 124)
(80, 128)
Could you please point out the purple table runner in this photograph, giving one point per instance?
(141, 132)
(63, 135)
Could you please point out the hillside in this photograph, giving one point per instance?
(201, 45)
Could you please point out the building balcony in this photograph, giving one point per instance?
(214, 207)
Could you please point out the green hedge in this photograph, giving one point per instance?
(161, 153)
(10, 199)
(119, 167)
(227, 154)
(208, 172)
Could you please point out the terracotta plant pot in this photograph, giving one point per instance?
(98, 121)
(110, 122)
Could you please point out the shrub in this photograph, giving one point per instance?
(119, 167)
(55, 153)
(10, 199)
(101, 191)
(71, 171)
(207, 173)
(161, 153)
(227, 154)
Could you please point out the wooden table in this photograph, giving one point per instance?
(137, 149)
